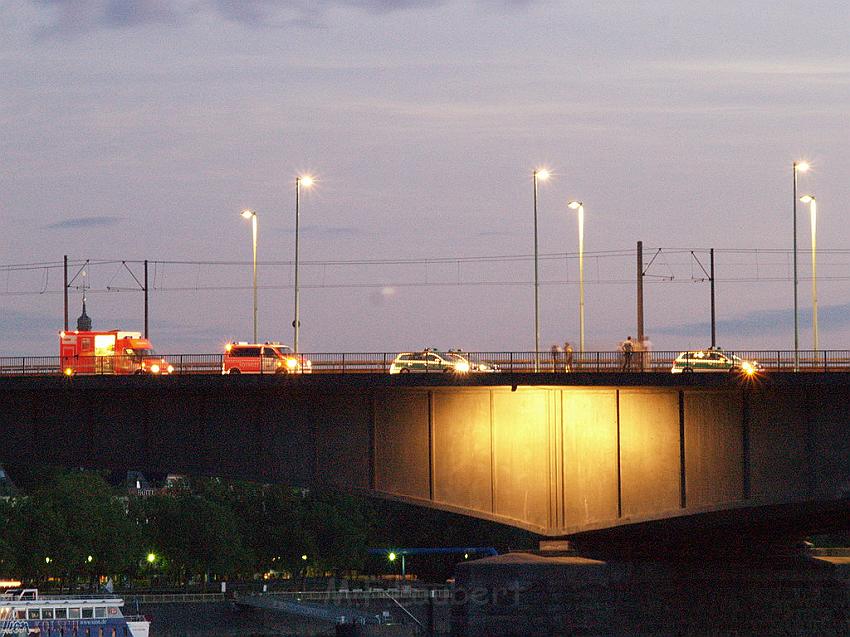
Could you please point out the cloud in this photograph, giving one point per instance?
(760, 322)
(83, 222)
(79, 16)
(76, 16)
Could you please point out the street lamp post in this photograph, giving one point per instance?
(250, 214)
(813, 215)
(577, 205)
(798, 167)
(540, 174)
(306, 181)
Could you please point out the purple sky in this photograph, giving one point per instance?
(139, 130)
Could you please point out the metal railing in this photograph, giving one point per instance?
(479, 363)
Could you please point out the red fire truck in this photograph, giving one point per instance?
(113, 352)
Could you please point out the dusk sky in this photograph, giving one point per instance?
(139, 130)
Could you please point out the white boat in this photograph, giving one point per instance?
(24, 613)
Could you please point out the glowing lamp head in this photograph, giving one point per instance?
(575, 205)
(801, 166)
(151, 558)
(247, 214)
(304, 557)
(807, 198)
(306, 180)
(391, 557)
(542, 174)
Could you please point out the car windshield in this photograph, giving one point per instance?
(284, 350)
(453, 357)
(139, 353)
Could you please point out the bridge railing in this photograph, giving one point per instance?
(480, 362)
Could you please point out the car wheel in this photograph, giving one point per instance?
(404, 370)
(233, 370)
(687, 370)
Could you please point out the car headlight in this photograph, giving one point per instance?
(154, 369)
(748, 368)
(462, 367)
(291, 363)
(170, 369)
(483, 367)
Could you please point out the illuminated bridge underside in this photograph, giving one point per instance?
(558, 460)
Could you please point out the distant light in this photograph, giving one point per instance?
(9, 583)
(247, 214)
(151, 558)
(801, 166)
(304, 557)
(47, 560)
(391, 557)
(542, 174)
(306, 181)
(89, 559)
(466, 556)
(807, 198)
(575, 205)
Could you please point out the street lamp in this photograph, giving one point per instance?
(798, 167)
(577, 205)
(250, 214)
(813, 215)
(306, 181)
(539, 174)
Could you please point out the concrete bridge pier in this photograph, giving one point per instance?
(566, 594)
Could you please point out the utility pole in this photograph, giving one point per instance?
(146, 299)
(65, 289)
(713, 322)
(640, 290)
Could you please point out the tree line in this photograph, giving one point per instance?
(72, 528)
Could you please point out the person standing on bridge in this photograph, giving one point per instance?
(568, 357)
(556, 357)
(627, 347)
(645, 353)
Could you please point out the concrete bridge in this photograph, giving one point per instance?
(600, 458)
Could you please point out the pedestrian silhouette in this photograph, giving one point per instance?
(627, 347)
(568, 357)
(556, 357)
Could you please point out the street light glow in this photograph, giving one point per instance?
(247, 214)
(391, 557)
(542, 174)
(575, 205)
(801, 166)
(807, 198)
(151, 558)
(306, 180)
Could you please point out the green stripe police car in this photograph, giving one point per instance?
(712, 360)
